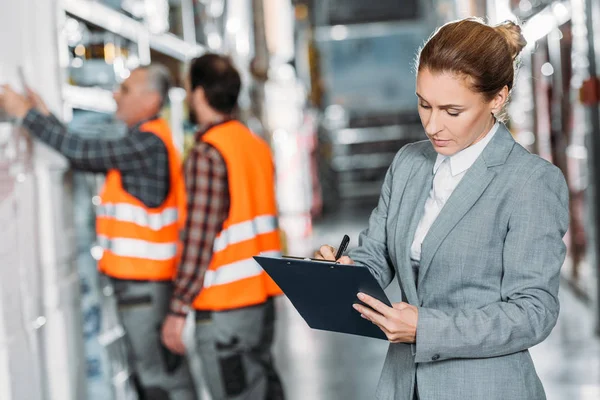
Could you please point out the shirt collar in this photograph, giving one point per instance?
(464, 159)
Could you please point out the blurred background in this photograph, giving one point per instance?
(330, 85)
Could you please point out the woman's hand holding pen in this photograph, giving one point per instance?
(327, 252)
(399, 322)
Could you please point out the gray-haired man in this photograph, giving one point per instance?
(139, 218)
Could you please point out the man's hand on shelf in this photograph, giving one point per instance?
(13, 103)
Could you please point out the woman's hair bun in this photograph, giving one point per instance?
(511, 32)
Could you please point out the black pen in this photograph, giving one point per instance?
(342, 247)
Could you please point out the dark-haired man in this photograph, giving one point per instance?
(232, 216)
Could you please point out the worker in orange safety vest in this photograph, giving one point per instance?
(232, 216)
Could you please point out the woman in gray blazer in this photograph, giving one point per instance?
(472, 226)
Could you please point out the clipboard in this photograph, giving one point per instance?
(323, 292)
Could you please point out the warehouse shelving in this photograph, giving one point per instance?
(89, 98)
(149, 45)
(111, 20)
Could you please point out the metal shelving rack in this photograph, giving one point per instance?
(89, 98)
(101, 16)
(111, 20)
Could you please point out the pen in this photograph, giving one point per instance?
(342, 247)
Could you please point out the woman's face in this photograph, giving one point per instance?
(454, 117)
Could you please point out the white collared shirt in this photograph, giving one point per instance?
(448, 173)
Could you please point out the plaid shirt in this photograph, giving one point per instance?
(208, 208)
(141, 157)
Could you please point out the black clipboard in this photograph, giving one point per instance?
(323, 292)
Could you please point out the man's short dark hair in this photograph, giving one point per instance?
(220, 80)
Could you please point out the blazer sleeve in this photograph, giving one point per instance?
(532, 257)
(372, 250)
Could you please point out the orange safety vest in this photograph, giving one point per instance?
(138, 242)
(234, 279)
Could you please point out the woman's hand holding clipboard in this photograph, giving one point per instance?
(398, 322)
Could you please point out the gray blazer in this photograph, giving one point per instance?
(487, 287)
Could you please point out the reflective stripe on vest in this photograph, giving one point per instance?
(245, 231)
(141, 242)
(236, 271)
(233, 279)
(136, 248)
(129, 213)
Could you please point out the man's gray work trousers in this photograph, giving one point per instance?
(235, 349)
(142, 308)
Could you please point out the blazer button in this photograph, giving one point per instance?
(435, 357)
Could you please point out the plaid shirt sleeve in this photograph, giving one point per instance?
(129, 153)
(208, 208)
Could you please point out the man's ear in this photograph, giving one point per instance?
(198, 95)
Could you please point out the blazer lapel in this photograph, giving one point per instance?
(413, 203)
(466, 194)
